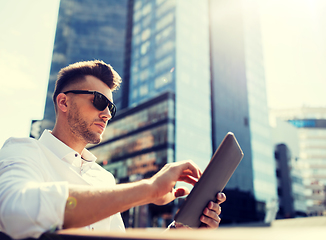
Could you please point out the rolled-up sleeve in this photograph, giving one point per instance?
(29, 206)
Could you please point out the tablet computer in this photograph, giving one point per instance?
(213, 180)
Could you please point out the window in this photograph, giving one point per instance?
(147, 8)
(137, 5)
(164, 48)
(145, 47)
(136, 29)
(168, 4)
(147, 20)
(144, 61)
(163, 34)
(158, 2)
(136, 40)
(137, 15)
(143, 90)
(164, 21)
(164, 64)
(144, 75)
(163, 80)
(135, 67)
(145, 34)
(134, 93)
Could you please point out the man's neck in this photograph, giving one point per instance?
(68, 139)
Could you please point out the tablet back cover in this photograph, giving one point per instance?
(213, 180)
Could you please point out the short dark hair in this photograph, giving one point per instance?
(77, 71)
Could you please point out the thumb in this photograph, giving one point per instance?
(182, 191)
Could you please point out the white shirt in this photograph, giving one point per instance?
(34, 177)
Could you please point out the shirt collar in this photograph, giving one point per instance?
(66, 153)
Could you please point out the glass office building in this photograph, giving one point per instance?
(292, 202)
(239, 100)
(284, 133)
(260, 131)
(311, 126)
(170, 51)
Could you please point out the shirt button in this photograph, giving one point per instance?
(76, 155)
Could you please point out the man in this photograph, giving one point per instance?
(54, 182)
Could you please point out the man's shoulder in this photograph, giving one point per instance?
(13, 141)
(18, 146)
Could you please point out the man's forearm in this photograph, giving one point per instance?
(87, 205)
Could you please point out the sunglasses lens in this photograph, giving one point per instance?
(101, 102)
(112, 109)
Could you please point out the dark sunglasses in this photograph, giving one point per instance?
(100, 101)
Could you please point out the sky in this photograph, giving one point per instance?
(294, 47)
(293, 40)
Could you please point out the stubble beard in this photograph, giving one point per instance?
(80, 128)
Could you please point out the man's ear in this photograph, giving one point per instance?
(62, 102)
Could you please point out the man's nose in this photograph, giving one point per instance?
(106, 114)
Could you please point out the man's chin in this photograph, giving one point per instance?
(95, 139)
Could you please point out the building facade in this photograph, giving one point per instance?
(290, 187)
(239, 100)
(292, 202)
(164, 31)
(311, 126)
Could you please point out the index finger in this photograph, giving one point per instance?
(190, 168)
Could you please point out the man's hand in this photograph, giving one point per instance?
(210, 217)
(164, 181)
(163, 184)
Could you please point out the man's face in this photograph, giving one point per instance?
(85, 121)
